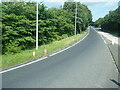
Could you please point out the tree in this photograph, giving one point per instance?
(19, 21)
(84, 16)
(111, 22)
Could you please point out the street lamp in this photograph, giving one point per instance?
(37, 25)
(75, 17)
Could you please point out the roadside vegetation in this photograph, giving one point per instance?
(110, 23)
(55, 25)
(19, 24)
(27, 55)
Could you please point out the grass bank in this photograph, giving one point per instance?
(26, 55)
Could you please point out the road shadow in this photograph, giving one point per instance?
(117, 83)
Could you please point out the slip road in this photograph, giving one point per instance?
(86, 65)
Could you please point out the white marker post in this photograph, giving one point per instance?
(33, 53)
(113, 41)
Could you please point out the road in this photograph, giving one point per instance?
(86, 65)
(115, 48)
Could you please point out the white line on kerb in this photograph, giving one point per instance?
(43, 57)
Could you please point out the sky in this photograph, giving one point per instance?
(99, 8)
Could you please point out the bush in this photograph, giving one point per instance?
(12, 48)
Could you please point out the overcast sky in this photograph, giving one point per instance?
(99, 8)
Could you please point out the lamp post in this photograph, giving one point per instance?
(37, 25)
(75, 17)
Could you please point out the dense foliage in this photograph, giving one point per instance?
(19, 24)
(84, 16)
(111, 22)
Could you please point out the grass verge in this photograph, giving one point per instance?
(26, 55)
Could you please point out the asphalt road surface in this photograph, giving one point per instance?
(86, 65)
(115, 48)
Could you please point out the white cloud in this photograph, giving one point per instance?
(54, 0)
(111, 3)
(108, 2)
(98, 0)
(83, 0)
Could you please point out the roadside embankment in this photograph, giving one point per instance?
(31, 54)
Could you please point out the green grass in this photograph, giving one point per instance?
(26, 55)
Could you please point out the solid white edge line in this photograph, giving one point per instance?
(100, 36)
(44, 57)
(71, 45)
(107, 47)
(103, 39)
(23, 65)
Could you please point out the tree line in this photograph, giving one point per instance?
(110, 23)
(19, 24)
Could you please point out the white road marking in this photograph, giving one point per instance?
(44, 57)
(59, 51)
(71, 45)
(23, 65)
(109, 37)
(103, 39)
(100, 36)
(113, 41)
